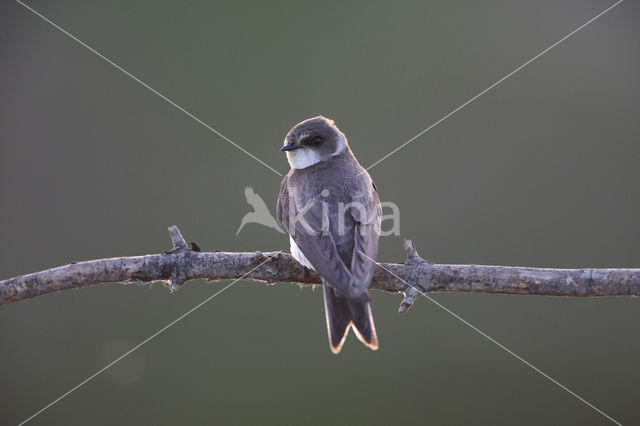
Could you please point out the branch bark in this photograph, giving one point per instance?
(185, 262)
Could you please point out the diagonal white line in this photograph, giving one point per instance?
(495, 84)
(145, 85)
(139, 344)
(500, 345)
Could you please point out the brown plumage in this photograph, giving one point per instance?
(332, 212)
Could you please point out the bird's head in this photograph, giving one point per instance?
(312, 141)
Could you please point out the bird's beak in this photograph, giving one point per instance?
(289, 147)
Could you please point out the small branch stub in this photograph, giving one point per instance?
(178, 252)
(410, 295)
(177, 239)
(410, 292)
(412, 253)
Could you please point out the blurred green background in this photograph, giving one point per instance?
(541, 171)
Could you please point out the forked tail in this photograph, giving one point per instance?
(343, 313)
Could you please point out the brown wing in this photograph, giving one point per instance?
(366, 235)
(306, 228)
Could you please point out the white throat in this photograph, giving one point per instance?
(305, 157)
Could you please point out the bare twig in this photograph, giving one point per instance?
(186, 262)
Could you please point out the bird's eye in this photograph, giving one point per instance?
(317, 140)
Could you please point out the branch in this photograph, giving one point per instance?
(416, 276)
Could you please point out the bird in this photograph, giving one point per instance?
(329, 206)
(260, 213)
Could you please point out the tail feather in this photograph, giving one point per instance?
(343, 313)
